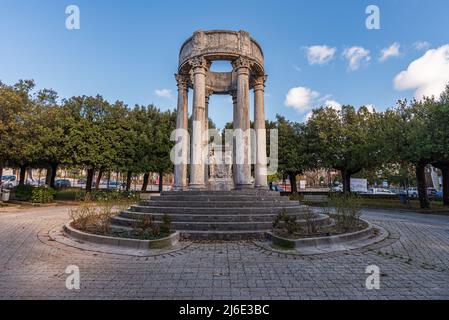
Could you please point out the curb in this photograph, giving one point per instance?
(167, 242)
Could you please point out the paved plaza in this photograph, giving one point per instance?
(414, 264)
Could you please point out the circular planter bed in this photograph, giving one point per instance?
(323, 240)
(161, 243)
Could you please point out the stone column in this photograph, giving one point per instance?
(261, 136)
(206, 132)
(180, 174)
(199, 68)
(242, 125)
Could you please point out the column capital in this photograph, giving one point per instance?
(182, 81)
(259, 82)
(242, 64)
(200, 64)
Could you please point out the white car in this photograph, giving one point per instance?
(381, 191)
(413, 192)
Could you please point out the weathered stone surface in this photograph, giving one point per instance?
(195, 58)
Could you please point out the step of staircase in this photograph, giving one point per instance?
(185, 221)
(219, 204)
(216, 215)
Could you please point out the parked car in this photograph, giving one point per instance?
(380, 191)
(9, 182)
(412, 192)
(432, 192)
(278, 189)
(63, 183)
(112, 185)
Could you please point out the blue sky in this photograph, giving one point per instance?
(128, 50)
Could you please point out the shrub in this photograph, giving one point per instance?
(93, 217)
(310, 218)
(286, 223)
(297, 197)
(73, 194)
(24, 192)
(146, 229)
(42, 195)
(347, 210)
(166, 224)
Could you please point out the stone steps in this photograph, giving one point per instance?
(131, 218)
(221, 198)
(216, 210)
(216, 215)
(219, 204)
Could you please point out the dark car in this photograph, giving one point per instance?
(63, 183)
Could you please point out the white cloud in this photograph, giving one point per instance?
(320, 54)
(163, 93)
(333, 104)
(329, 104)
(428, 75)
(356, 57)
(421, 45)
(371, 107)
(300, 98)
(392, 51)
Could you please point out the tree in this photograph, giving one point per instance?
(18, 128)
(161, 145)
(438, 124)
(413, 140)
(91, 140)
(294, 158)
(346, 140)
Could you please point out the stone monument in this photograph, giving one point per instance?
(195, 58)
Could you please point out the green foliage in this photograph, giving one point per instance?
(347, 210)
(146, 229)
(24, 193)
(166, 224)
(286, 223)
(42, 195)
(294, 157)
(348, 140)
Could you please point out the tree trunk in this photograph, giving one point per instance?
(1, 172)
(292, 177)
(161, 181)
(129, 176)
(97, 182)
(48, 176)
(146, 178)
(89, 180)
(422, 186)
(445, 171)
(54, 171)
(23, 170)
(346, 176)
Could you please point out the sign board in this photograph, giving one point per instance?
(302, 184)
(359, 185)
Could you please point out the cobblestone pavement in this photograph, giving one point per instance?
(414, 263)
